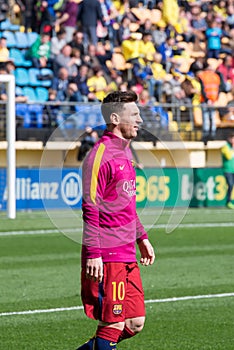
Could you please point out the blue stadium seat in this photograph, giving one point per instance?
(21, 40)
(101, 124)
(32, 37)
(21, 77)
(19, 91)
(94, 117)
(21, 110)
(18, 57)
(80, 120)
(42, 94)
(7, 25)
(33, 77)
(90, 116)
(30, 93)
(11, 39)
(46, 77)
(36, 115)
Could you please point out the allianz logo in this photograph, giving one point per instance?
(69, 189)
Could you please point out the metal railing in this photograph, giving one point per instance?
(64, 120)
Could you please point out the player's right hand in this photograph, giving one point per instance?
(94, 269)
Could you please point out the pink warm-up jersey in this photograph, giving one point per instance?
(111, 224)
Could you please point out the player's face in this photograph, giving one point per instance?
(130, 121)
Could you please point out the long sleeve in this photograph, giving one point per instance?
(227, 152)
(140, 231)
(95, 178)
(111, 225)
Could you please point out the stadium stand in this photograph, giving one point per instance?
(22, 77)
(18, 57)
(30, 93)
(7, 25)
(185, 22)
(10, 36)
(41, 94)
(34, 73)
(32, 37)
(22, 115)
(22, 41)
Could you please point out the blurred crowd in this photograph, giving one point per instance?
(168, 51)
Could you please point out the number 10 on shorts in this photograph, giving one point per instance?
(118, 290)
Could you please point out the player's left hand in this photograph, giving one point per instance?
(147, 252)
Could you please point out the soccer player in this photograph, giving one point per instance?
(111, 287)
(228, 167)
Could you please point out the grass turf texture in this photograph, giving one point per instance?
(42, 271)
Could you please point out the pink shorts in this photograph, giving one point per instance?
(118, 297)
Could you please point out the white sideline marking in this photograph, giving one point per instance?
(151, 301)
(67, 230)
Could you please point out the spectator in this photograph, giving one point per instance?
(183, 27)
(144, 74)
(213, 37)
(227, 71)
(220, 10)
(81, 81)
(4, 52)
(98, 84)
(28, 16)
(131, 47)
(10, 67)
(65, 59)
(72, 94)
(90, 59)
(198, 22)
(159, 34)
(89, 14)
(173, 90)
(227, 113)
(67, 112)
(192, 89)
(51, 109)
(49, 11)
(195, 90)
(109, 13)
(68, 18)
(58, 41)
(4, 8)
(103, 53)
(88, 141)
(39, 52)
(198, 64)
(154, 117)
(123, 32)
(166, 50)
(230, 17)
(60, 83)
(210, 88)
(122, 8)
(146, 46)
(76, 55)
(159, 75)
(146, 27)
(44, 16)
(115, 80)
(227, 152)
(77, 42)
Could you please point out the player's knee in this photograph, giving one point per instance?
(135, 324)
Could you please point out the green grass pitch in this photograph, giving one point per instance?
(40, 270)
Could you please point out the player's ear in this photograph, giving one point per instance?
(115, 118)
